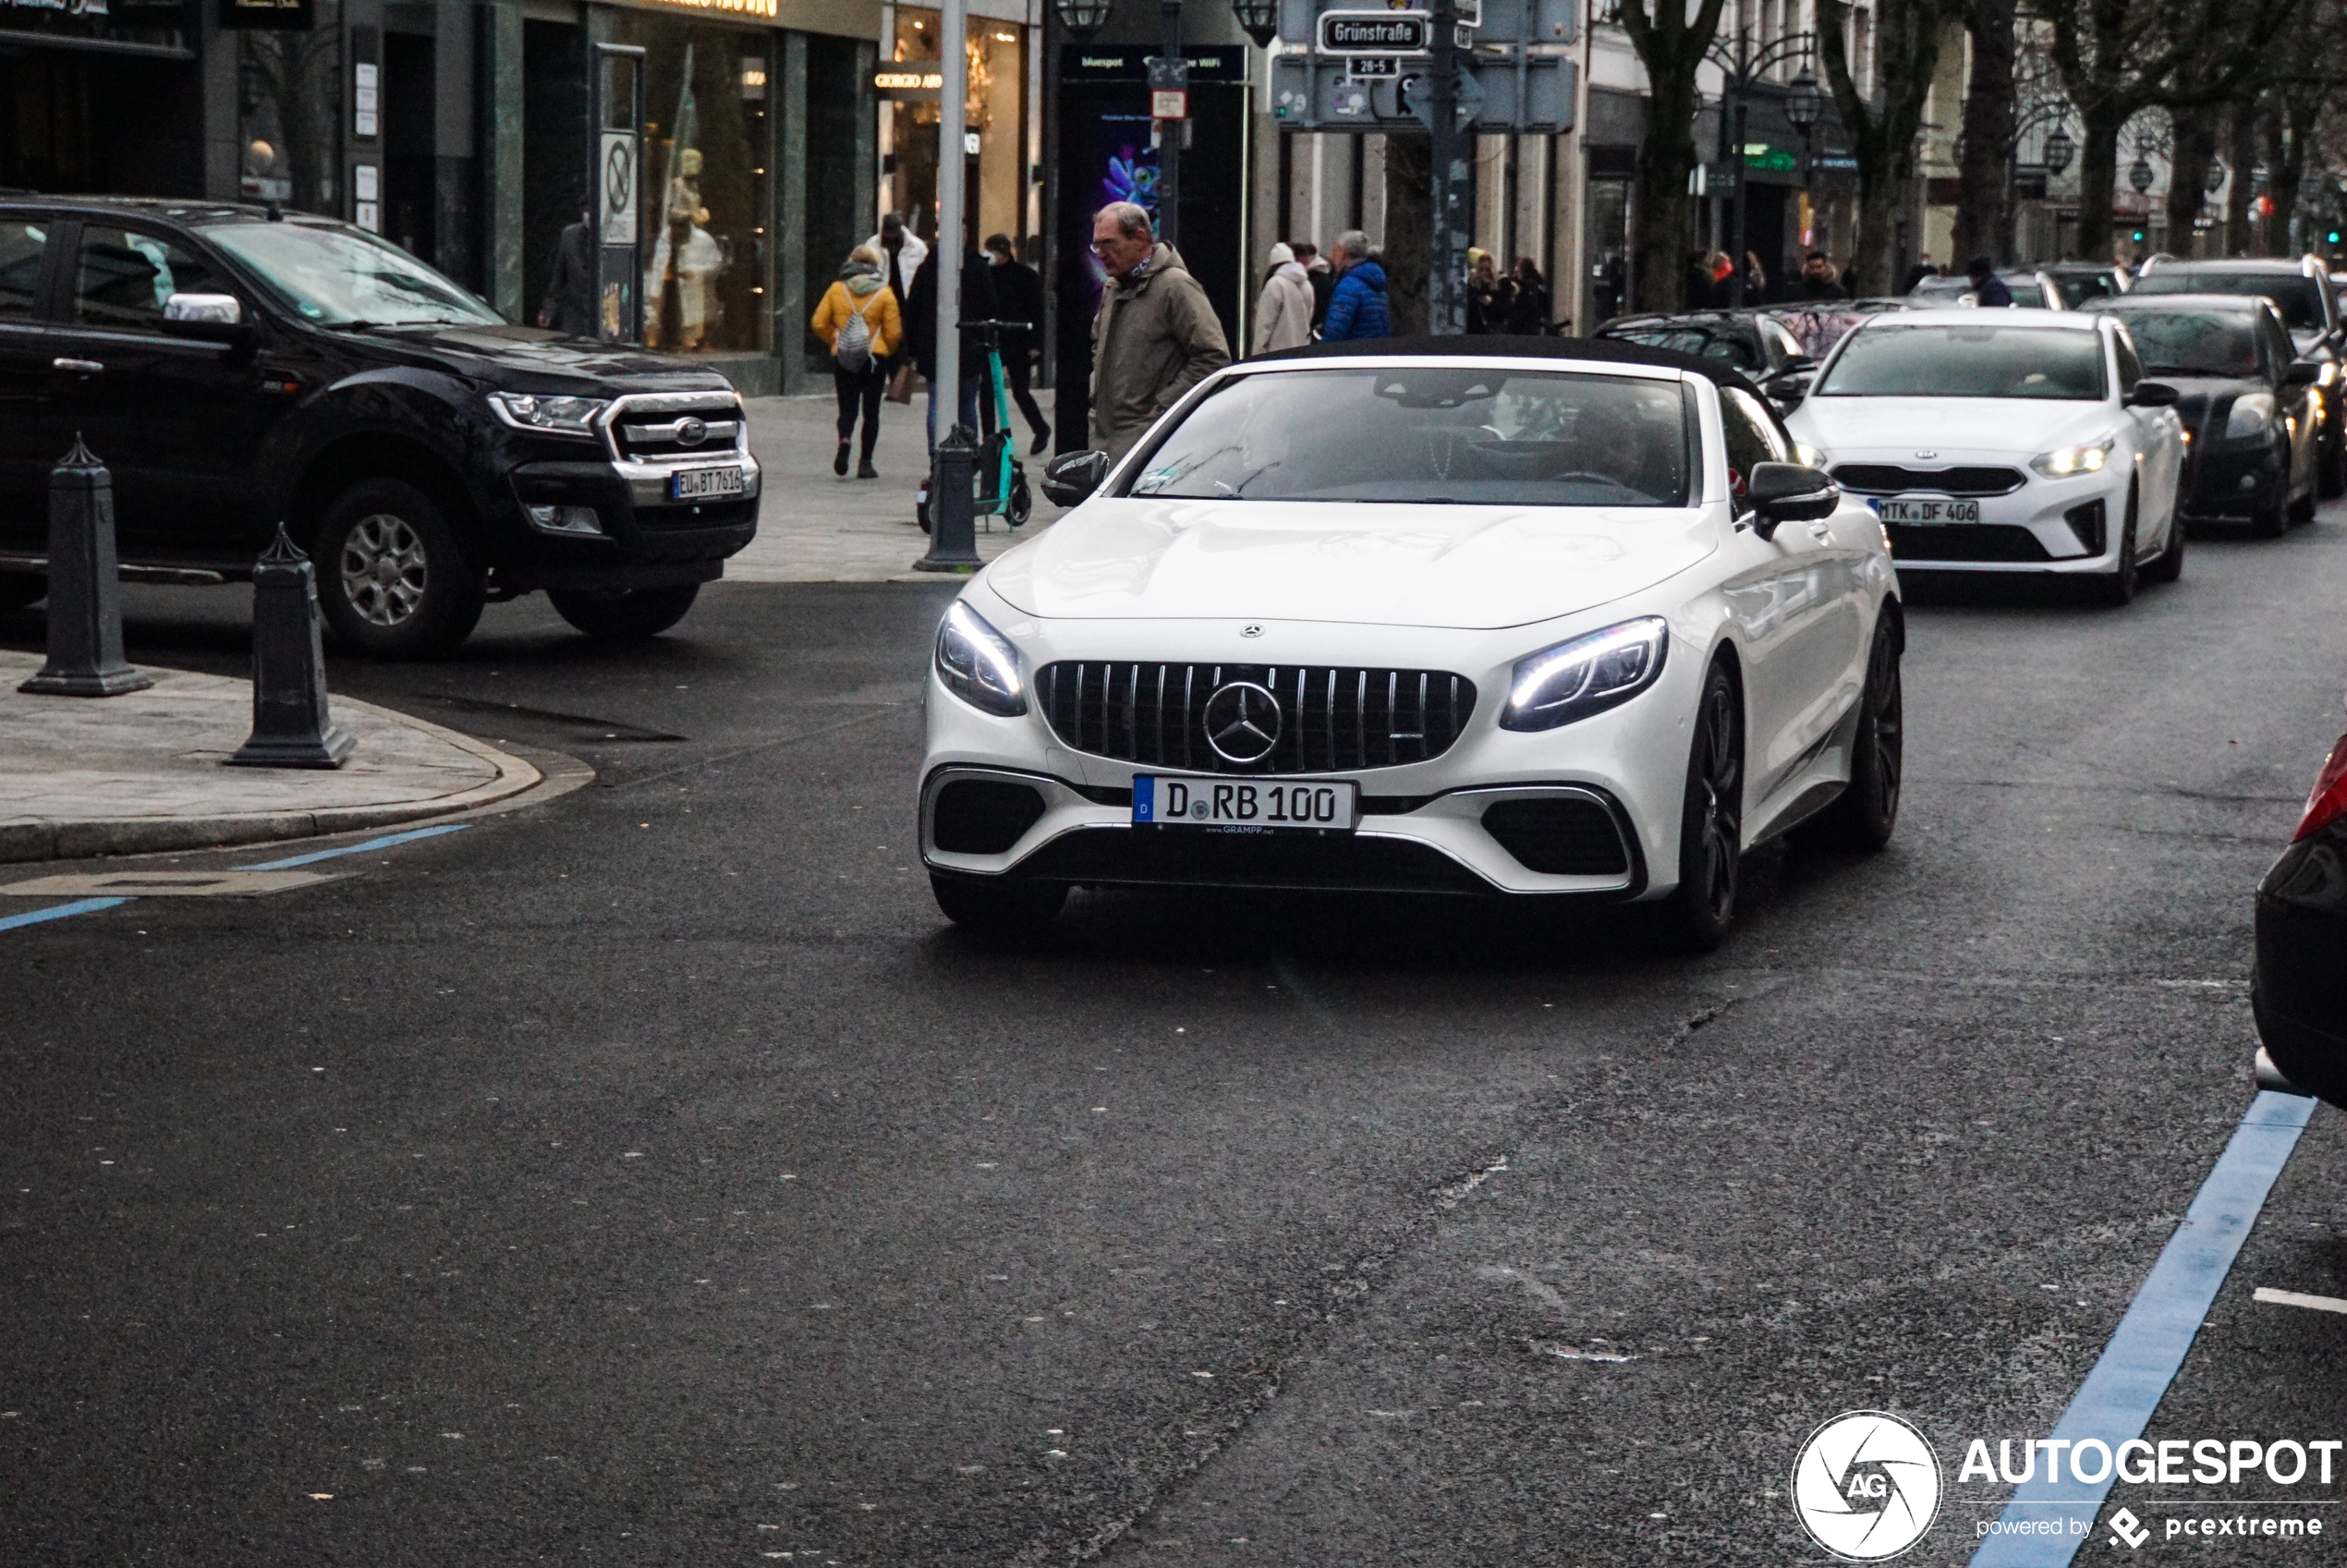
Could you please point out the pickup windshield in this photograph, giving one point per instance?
(1431, 434)
(344, 277)
(1988, 360)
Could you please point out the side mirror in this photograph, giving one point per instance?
(1787, 493)
(1798, 363)
(1073, 476)
(1788, 386)
(207, 318)
(2151, 394)
(2301, 372)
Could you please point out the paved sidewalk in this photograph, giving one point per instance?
(134, 774)
(815, 526)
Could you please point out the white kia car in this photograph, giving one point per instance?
(1425, 616)
(2009, 440)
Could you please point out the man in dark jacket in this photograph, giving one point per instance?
(921, 331)
(1816, 280)
(1988, 291)
(1156, 336)
(1018, 293)
(1358, 303)
(569, 305)
(1319, 273)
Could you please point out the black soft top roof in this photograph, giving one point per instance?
(1603, 351)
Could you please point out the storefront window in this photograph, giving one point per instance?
(995, 173)
(705, 149)
(288, 100)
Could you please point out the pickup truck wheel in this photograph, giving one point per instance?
(21, 591)
(623, 613)
(391, 576)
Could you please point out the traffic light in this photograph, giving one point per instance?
(2333, 237)
(2139, 236)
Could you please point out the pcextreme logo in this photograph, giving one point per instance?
(1866, 1485)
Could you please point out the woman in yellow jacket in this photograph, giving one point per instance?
(859, 294)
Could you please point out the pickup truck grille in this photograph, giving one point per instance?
(657, 429)
(1332, 720)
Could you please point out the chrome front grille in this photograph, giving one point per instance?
(653, 428)
(1331, 719)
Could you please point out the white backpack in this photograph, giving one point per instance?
(853, 347)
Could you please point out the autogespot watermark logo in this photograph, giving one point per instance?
(1866, 1485)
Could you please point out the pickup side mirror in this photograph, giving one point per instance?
(1073, 476)
(2301, 372)
(208, 318)
(2151, 394)
(1788, 492)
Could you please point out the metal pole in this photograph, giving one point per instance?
(1736, 245)
(1169, 132)
(953, 539)
(1446, 268)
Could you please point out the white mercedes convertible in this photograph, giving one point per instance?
(1436, 615)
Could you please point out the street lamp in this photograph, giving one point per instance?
(1803, 103)
(1259, 20)
(2059, 150)
(2216, 176)
(1082, 18)
(2139, 174)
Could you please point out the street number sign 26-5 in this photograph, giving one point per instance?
(1376, 33)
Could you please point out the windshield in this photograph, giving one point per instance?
(1692, 340)
(2078, 287)
(1988, 360)
(1431, 433)
(2194, 343)
(343, 277)
(2300, 298)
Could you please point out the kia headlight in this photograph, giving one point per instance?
(2070, 461)
(1586, 675)
(2252, 416)
(978, 664)
(1808, 456)
(548, 416)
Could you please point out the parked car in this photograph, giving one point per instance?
(1755, 341)
(2252, 415)
(2299, 988)
(235, 366)
(1432, 615)
(1817, 326)
(2005, 443)
(2080, 283)
(2032, 290)
(2301, 290)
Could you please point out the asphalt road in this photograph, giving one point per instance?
(654, 1178)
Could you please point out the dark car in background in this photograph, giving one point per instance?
(2251, 412)
(1752, 340)
(2032, 290)
(2299, 990)
(2301, 290)
(2082, 283)
(235, 368)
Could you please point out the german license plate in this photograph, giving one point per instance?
(1325, 804)
(1929, 511)
(702, 484)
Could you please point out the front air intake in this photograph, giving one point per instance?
(983, 816)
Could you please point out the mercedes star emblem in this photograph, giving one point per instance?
(1242, 722)
(691, 431)
(1250, 631)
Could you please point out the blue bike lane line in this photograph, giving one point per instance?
(92, 905)
(2120, 1396)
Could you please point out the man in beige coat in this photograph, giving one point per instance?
(1155, 337)
(1283, 312)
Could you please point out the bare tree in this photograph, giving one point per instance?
(1670, 37)
(1883, 117)
(1990, 122)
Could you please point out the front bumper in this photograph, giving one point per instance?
(2298, 992)
(2234, 481)
(2047, 526)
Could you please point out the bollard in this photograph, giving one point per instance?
(85, 590)
(290, 726)
(952, 532)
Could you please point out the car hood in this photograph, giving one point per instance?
(1913, 425)
(1364, 563)
(2196, 395)
(532, 359)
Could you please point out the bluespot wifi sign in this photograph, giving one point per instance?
(1376, 33)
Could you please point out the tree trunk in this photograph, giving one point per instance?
(1665, 159)
(1981, 198)
(1409, 229)
(2098, 180)
(2195, 141)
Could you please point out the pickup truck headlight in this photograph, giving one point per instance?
(2088, 458)
(978, 664)
(1586, 675)
(2252, 416)
(550, 416)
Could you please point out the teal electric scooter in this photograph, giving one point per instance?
(1001, 483)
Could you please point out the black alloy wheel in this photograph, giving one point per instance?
(1711, 820)
(2169, 564)
(1863, 815)
(622, 615)
(2118, 586)
(391, 579)
(997, 909)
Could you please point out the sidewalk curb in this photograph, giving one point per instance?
(33, 839)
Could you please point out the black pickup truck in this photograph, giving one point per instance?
(235, 368)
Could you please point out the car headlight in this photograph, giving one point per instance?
(978, 663)
(550, 416)
(1807, 456)
(2088, 458)
(1586, 675)
(2328, 374)
(2253, 415)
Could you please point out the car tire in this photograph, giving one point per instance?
(2269, 522)
(2301, 511)
(1700, 909)
(392, 578)
(2169, 564)
(22, 590)
(996, 909)
(2117, 586)
(2331, 469)
(624, 615)
(1863, 815)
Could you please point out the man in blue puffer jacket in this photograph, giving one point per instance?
(1356, 306)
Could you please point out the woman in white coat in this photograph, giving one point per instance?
(1283, 311)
